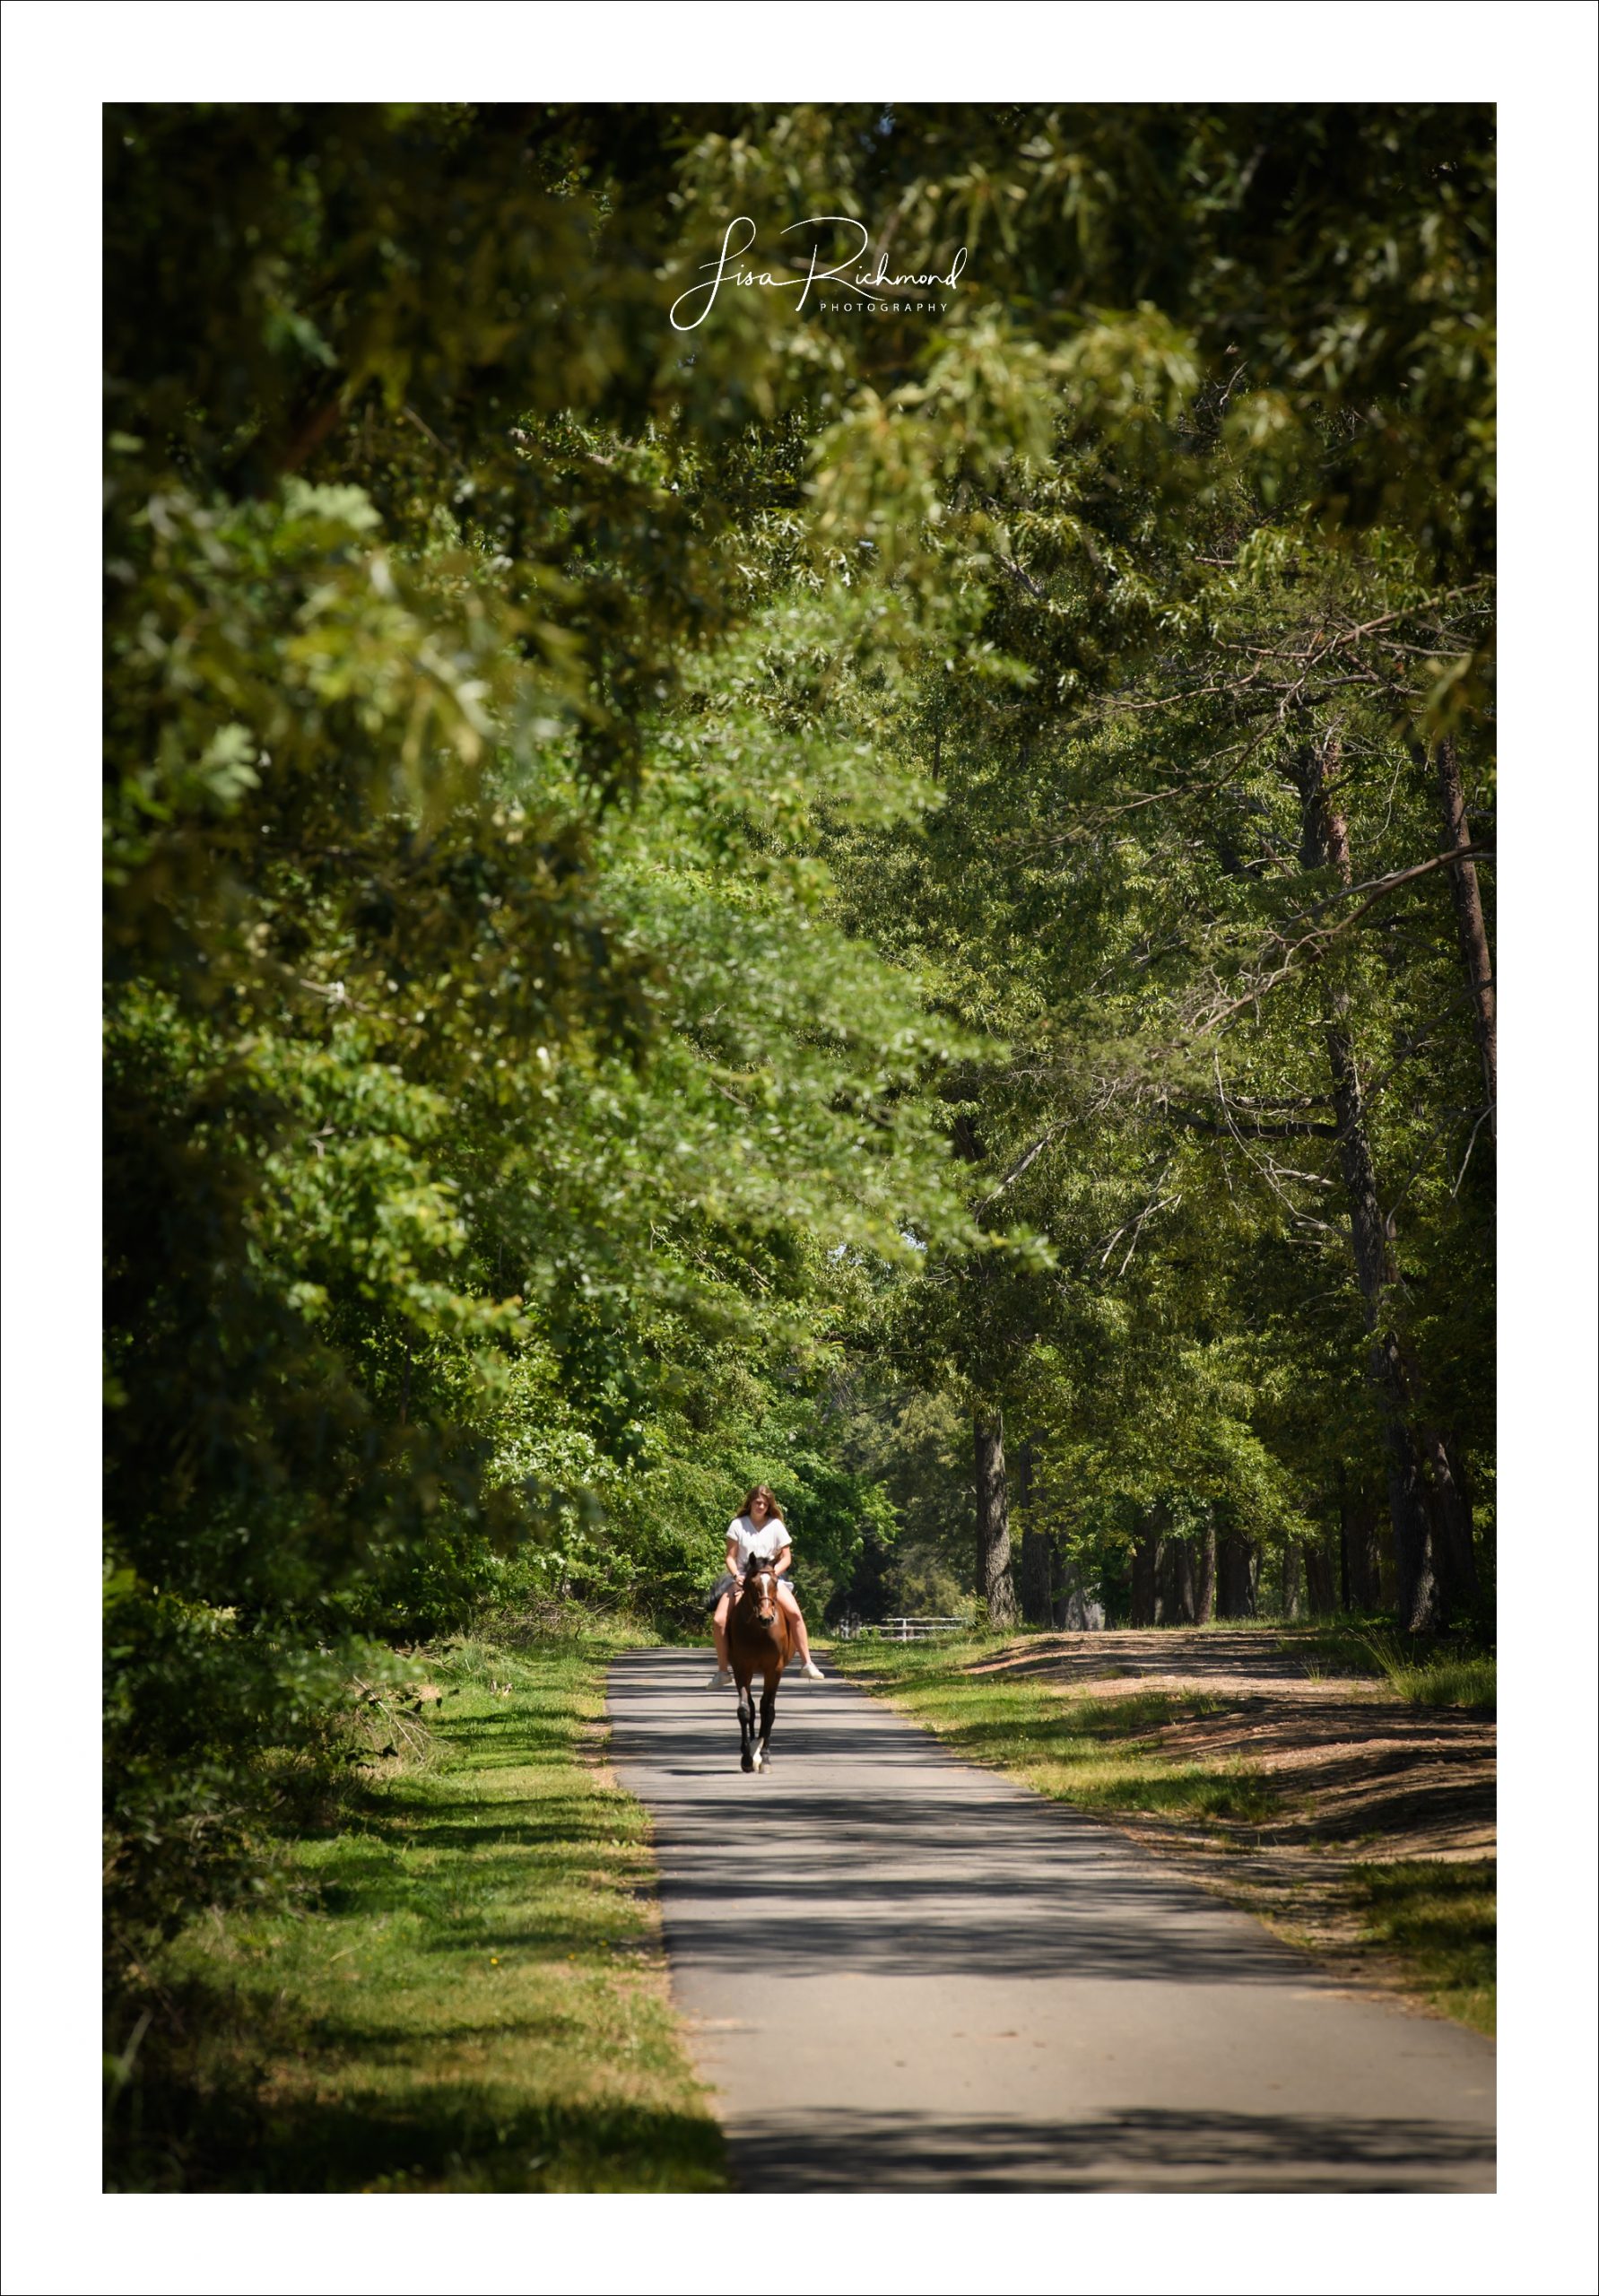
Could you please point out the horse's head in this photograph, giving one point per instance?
(761, 1591)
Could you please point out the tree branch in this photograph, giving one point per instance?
(1017, 1169)
(1284, 1129)
(1379, 889)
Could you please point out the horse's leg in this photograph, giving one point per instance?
(746, 1723)
(769, 1702)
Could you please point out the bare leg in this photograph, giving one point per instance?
(718, 1628)
(790, 1602)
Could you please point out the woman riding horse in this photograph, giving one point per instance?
(758, 1529)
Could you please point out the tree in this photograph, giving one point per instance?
(646, 873)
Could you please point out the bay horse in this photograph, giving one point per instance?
(759, 1642)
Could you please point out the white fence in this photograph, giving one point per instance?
(899, 1629)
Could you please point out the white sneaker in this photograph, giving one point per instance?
(810, 1672)
(721, 1680)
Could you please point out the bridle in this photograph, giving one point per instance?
(759, 1571)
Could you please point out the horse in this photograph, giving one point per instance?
(759, 1642)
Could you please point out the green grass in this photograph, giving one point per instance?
(1100, 1753)
(1454, 1672)
(456, 1986)
(1460, 1677)
(1440, 1920)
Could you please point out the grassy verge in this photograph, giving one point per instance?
(1455, 1671)
(1440, 1922)
(1432, 1922)
(1441, 1678)
(457, 1986)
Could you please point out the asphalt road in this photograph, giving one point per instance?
(899, 1972)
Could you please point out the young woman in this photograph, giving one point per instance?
(759, 1531)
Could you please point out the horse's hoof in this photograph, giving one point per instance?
(760, 1762)
(746, 1762)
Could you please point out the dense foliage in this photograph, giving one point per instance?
(780, 902)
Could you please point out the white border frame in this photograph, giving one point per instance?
(63, 60)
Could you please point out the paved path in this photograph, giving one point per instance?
(901, 1972)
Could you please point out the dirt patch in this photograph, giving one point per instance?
(1370, 1776)
(1202, 1656)
(1357, 1770)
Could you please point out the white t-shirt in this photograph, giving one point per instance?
(769, 1540)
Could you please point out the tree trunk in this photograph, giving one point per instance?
(1178, 1602)
(1417, 1589)
(1452, 1521)
(1288, 1571)
(1238, 1576)
(1359, 1564)
(1146, 1559)
(1470, 926)
(1325, 844)
(1076, 1611)
(1387, 1568)
(1343, 1585)
(1035, 1545)
(994, 1520)
(1205, 1594)
(1318, 1577)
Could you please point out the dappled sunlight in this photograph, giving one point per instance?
(1148, 2150)
(462, 1993)
(946, 1931)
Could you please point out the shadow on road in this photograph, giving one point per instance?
(970, 1987)
(1132, 2151)
(910, 1876)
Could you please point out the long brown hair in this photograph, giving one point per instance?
(762, 1491)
